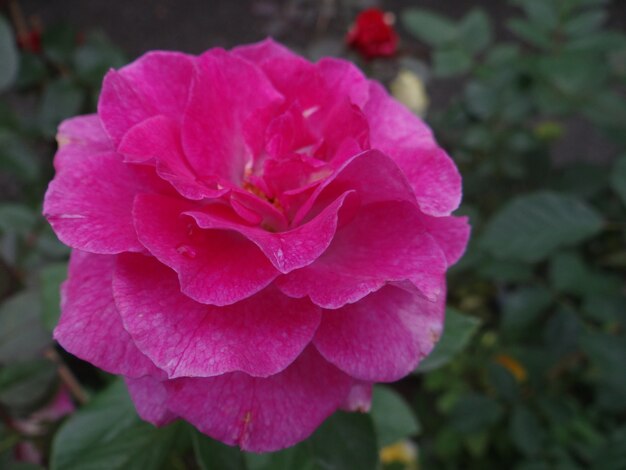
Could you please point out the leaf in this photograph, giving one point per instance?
(585, 23)
(526, 431)
(24, 385)
(451, 61)
(50, 279)
(108, 434)
(618, 178)
(474, 413)
(16, 218)
(58, 43)
(522, 307)
(393, 418)
(17, 158)
(61, 99)
(95, 57)
(429, 27)
(475, 30)
(458, 330)
(530, 33)
(213, 455)
(8, 55)
(22, 335)
(346, 441)
(530, 227)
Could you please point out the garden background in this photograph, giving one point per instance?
(527, 96)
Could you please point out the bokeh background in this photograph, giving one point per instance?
(528, 97)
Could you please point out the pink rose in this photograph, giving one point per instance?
(257, 239)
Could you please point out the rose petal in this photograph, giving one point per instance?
(359, 398)
(405, 138)
(89, 203)
(156, 83)
(374, 177)
(451, 233)
(262, 414)
(79, 136)
(384, 242)
(225, 123)
(345, 79)
(90, 326)
(285, 250)
(260, 335)
(150, 398)
(217, 267)
(383, 337)
(158, 138)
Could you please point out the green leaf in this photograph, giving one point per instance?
(22, 335)
(107, 434)
(346, 441)
(50, 279)
(585, 23)
(451, 61)
(530, 33)
(17, 158)
(58, 43)
(522, 307)
(25, 385)
(393, 418)
(526, 431)
(213, 455)
(618, 178)
(530, 227)
(95, 57)
(61, 99)
(474, 413)
(429, 27)
(475, 30)
(8, 55)
(458, 330)
(16, 218)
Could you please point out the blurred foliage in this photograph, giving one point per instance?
(529, 373)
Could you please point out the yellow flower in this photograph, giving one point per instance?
(404, 452)
(409, 89)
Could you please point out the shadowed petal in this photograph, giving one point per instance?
(383, 337)
(262, 414)
(90, 326)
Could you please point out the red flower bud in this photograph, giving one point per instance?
(373, 34)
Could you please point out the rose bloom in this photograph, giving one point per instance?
(373, 34)
(257, 239)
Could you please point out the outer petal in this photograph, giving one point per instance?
(88, 203)
(78, 136)
(383, 337)
(90, 326)
(150, 398)
(286, 250)
(451, 233)
(405, 138)
(260, 335)
(230, 106)
(218, 267)
(262, 414)
(157, 83)
(359, 398)
(384, 242)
